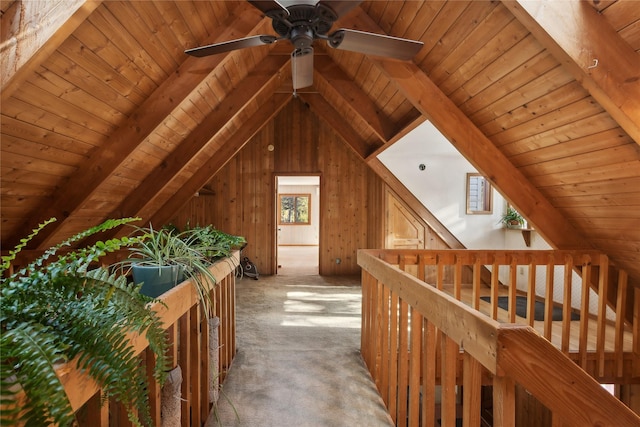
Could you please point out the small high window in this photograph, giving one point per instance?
(479, 194)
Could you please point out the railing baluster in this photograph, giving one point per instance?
(367, 308)
(440, 272)
(603, 285)
(620, 317)
(385, 346)
(457, 278)
(531, 292)
(513, 288)
(205, 369)
(495, 283)
(477, 275)
(194, 360)
(636, 329)
(566, 305)
(415, 348)
(584, 312)
(184, 359)
(393, 360)
(548, 298)
(154, 387)
(403, 364)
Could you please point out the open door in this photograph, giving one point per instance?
(297, 225)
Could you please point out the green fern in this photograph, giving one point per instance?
(57, 309)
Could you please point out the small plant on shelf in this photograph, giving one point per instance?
(512, 218)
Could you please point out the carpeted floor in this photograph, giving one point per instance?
(298, 361)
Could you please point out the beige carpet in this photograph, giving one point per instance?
(298, 361)
(298, 260)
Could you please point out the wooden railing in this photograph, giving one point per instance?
(415, 337)
(188, 333)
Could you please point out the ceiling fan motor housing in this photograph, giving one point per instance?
(304, 22)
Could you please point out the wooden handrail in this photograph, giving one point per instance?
(477, 334)
(558, 382)
(510, 353)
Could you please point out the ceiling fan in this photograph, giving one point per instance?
(302, 22)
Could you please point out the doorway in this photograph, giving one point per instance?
(297, 225)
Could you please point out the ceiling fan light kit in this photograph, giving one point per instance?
(302, 22)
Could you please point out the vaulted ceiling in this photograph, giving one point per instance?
(103, 115)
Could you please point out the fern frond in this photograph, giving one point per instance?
(32, 352)
(6, 259)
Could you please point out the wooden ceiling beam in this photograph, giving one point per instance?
(591, 50)
(484, 156)
(256, 122)
(124, 141)
(359, 102)
(32, 31)
(425, 95)
(269, 73)
(336, 121)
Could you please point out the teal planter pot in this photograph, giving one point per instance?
(157, 280)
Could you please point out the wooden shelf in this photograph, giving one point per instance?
(526, 234)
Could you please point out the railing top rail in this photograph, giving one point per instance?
(557, 382)
(488, 256)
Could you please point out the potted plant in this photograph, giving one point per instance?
(214, 243)
(63, 307)
(512, 218)
(166, 256)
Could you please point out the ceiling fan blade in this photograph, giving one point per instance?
(271, 8)
(213, 49)
(339, 7)
(374, 44)
(302, 67)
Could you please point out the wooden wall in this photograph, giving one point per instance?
(240, 199)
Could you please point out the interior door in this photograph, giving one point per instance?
(403, 231)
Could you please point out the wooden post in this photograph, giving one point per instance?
(429, 349)
(184, 356)
(414, 368)
(450, 351)
(393, 360)
(403, 364)
(504, 402)
(471, 389)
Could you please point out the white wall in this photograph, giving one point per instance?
(441, 188)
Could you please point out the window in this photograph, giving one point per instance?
(479, 194)
(295, 209)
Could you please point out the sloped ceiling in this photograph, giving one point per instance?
(104, 116)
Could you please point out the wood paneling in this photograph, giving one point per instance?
(240, 199)
(103, 101)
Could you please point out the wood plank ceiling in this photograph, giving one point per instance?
(103, 115)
